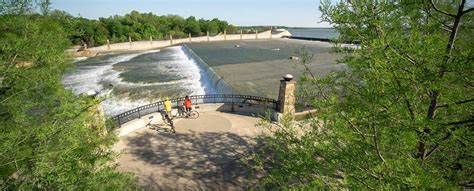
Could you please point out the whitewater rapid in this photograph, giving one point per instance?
(129, 80)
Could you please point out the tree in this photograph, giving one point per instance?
(192, 26)
(50, 138)
(213, 26)
(223, 25)
(399, 117)
(24, 6)
(231, 29)
(139, 26)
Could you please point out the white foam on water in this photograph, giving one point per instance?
(114, 106)
(190, 71)
(87, 78)
(91, 77)
(79, 59)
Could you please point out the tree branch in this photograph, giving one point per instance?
(376, 143)
(434, 94)
(468, 10)
(458, 102)
(353, 126)
(437, 145)
(440, 11)
(460, 122)
(404, 56)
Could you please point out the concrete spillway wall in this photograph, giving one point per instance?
(153, 44)
(213, 83)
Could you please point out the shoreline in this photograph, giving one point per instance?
(156, 44)
(85, 54)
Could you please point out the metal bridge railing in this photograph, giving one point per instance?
(196, 99)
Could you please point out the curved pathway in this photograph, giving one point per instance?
(203, 154)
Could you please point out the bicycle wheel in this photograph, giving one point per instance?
(167, 120)
(194, 114)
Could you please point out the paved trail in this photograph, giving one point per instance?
(202, 155)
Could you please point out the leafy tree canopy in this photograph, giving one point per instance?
(50, 139)
(399, 117)
(139, 26)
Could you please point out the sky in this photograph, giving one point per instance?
(291, 13)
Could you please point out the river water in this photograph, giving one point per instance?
(129, 80)
(132, 79)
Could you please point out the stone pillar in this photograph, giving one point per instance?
(286, 96)
(171, 39)
(225, 35)
(240, 34)
(189, 37)
(207, 36)
(151, 41)
(108, 44)
(130, 41)
(256, 34)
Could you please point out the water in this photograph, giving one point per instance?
(129, 80)
(324, 33)
(132, 79)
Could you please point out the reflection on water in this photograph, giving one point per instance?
(133, 79)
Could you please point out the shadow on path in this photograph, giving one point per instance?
(191, 160)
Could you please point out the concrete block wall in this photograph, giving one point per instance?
(146, 45)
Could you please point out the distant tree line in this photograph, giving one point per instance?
(137, 26)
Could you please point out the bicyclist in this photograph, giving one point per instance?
(187, 104)
(168, 113)
(167, 106)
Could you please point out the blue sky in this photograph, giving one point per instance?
(294, 13)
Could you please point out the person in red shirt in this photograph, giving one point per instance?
(187, 104)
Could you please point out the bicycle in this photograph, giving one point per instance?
(182, 113)
(166, 119)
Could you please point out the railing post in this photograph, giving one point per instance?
(232, 100)
(119, 123)
(271, 29)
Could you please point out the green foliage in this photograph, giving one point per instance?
(50, 139)
(139, 26)
(399, 117)
(19, 7)
(192, 26)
